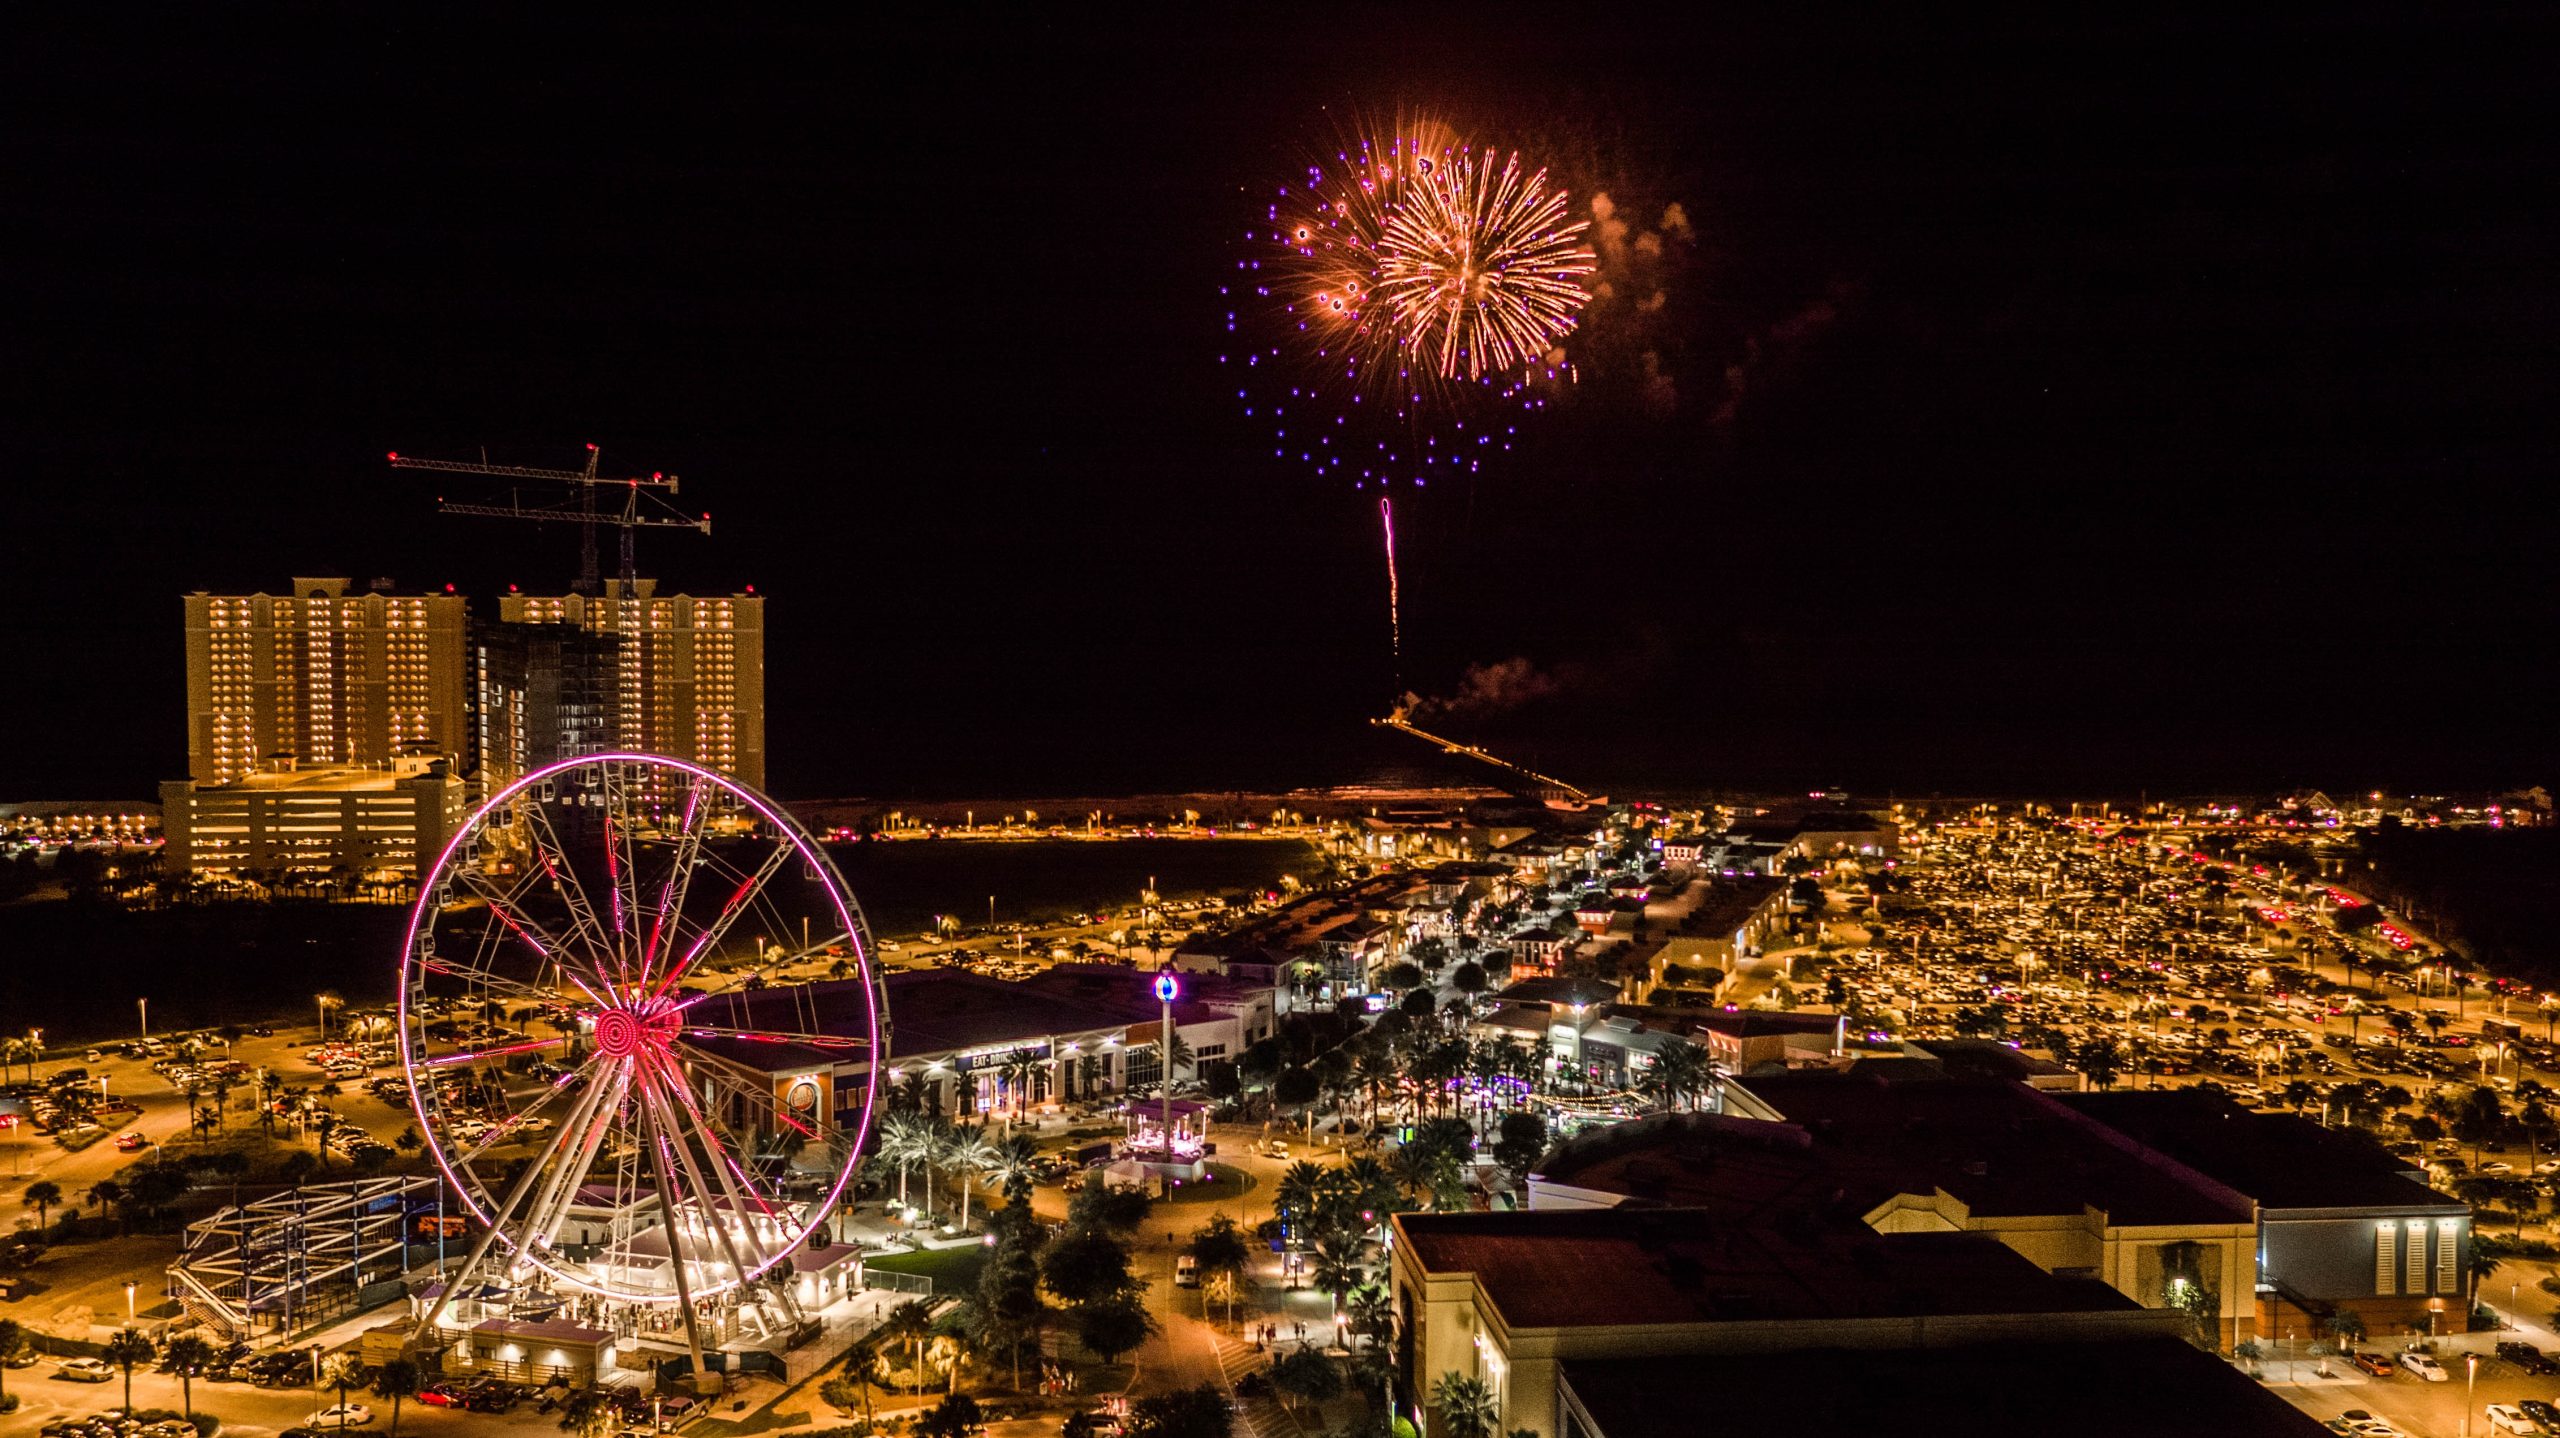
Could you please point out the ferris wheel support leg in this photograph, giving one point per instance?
(542, 1227)
(675, 1244)
(737, 1203)
(479, 1250)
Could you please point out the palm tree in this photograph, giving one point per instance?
(1466, 1407)
(910, 1323)
(186, 1355)
(969, 1154)
(397, 1379)
(1338, 1270)
(124, 1350)
(902, 1143)
(340, 1374)
(1013, 1165)
(328, 1002)
(42, 1195)
(1679, 1069)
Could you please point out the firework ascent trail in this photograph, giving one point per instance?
(1395, 599)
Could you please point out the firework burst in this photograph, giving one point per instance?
(1399, 305)
(1479, 267)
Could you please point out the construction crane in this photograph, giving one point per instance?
(1552, 791)
(642, 505)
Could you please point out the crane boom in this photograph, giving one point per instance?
(642, 508)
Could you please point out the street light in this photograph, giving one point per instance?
(2470, 1385)
(142, 1007)
(128, 1301)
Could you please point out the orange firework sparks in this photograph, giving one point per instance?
(1479, 266)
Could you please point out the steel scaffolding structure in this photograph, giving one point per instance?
(277, 1264)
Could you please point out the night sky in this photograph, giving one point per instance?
(2062, 397)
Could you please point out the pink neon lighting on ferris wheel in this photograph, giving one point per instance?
(787, 833)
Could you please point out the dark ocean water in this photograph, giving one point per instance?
(75, 971)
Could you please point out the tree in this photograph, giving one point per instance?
(1084, 1265)
(1468, 978)
(1306, 1375)
(1522, 1142)
(968, 1153)
(589, 1413)
(2479, 1118)
(1113, 1325)
(1338, 1269)
(1466, 1406)
(956, 1416)
(1401, 975)
(1680, 1069)
(1219, 1246)
(2100, 1059)
(13, 1341)
(188, 1356)
(43, 1194)
(1013, 1165)
(124, 1350)
(398, 1379)
(910, 1323)
(847, 1394)
(1200, 1412)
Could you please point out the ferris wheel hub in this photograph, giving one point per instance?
(622, 1032)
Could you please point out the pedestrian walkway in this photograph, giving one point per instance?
(1255, 1417)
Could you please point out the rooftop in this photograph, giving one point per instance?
(1683, 1266)
(1554, 992)
(2128, 1388)
(2004, 1149)
(2282, 1161)
(942, 1011)
(1852, 1141)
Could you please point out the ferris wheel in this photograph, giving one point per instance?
(607, 1055)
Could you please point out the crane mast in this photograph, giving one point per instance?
(644, 505)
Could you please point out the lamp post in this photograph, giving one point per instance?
(2470, 1384)
(128, 1302)
(1166, 987)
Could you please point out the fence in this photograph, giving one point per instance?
(874, 1280)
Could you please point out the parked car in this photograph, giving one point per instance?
(2528, 1358)
(2507, 1418)
(2357, 1423)
(85, 1370)
(2541, 1412)
(2424, 1365)
(2377, 1364)
(337, 1415)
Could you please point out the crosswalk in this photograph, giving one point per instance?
(1255, 1417)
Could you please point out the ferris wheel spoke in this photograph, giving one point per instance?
(504, 903)
(508, 1126)
(775, 1036)
(718, 1209)
(622, 865)
(743, 1190)
(476, 1055)
(479, 976)
(552, 856)
(560, 1190)
(814, 1127)
(735, 905)
(679, 880)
